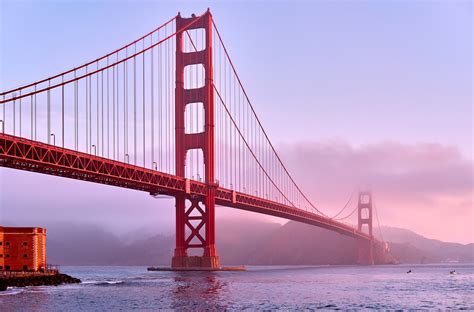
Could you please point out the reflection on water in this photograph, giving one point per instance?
(260, 288)
(190, 288)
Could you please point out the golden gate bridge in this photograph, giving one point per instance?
(167, 114)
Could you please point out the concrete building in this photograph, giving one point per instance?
(22, 248)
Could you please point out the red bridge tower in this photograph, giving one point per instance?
(365, 247)
(195, 216)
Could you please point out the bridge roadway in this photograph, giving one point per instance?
(25, 154)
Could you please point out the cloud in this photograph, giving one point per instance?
(425, 187)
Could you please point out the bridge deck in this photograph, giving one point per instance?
(24, 154)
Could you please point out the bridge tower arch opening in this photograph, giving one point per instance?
(195, 216)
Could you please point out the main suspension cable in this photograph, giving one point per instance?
(91, 62)
(260, 124)
(378, 222)
(345, 206)
(348, 216)
(50, 87)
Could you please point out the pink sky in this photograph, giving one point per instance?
(424, 187)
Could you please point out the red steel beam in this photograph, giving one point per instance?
(23, 154)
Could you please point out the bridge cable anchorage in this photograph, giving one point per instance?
(260, 124)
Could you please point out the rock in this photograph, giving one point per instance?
(37, 280)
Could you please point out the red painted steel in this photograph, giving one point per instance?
(204, 231)
(364, 209)
(24, 154)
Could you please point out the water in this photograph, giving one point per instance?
(260, 288)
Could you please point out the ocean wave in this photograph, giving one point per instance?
(12, 291)
(152, 279)
(102, 282)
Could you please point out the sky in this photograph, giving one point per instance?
(353, 94)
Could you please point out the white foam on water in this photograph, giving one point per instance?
(93, 282)
(12, 291)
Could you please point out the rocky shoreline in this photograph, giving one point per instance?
(37, 280)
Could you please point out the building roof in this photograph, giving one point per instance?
(22, 230)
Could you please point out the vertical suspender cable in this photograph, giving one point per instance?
(62, 112)
(75, 111)
(108, 111)
(143, 110)
(3, 118)
(166, 104)
(49, 113)
(97, 110)
(102, 111)
(90, 113)
(87, 113)
(14, 116)
(160, 106)
(36, 133)
(165, 112)
(167, 119)
(31, 117)
(152, 106)
(113, 112)
(20, 113)
(125, 107)
(135, 108)
(117, 121)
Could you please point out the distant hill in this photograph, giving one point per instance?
(244, 242)
(409, 247)
(297, 243)
(84, 245)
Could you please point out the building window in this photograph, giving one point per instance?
(7, 267)
(7, 243)
(25, 256)
(7, 256)
(1, 267)
(25, 243)
(1, 243)
(1, 255)
(25, 268)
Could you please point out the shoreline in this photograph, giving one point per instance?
(37, 280)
